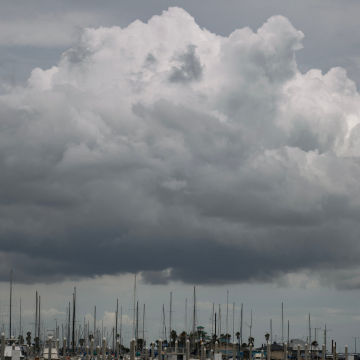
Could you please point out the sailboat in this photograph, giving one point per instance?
(12, 350)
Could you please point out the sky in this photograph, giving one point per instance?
(190, 143)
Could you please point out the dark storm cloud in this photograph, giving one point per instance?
(246, 174)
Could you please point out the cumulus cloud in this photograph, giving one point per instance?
(166, 149)
(48, 313)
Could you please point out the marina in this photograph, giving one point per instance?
(88, 342)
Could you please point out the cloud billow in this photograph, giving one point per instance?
(166, 149)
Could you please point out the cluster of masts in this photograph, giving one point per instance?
(82, 337)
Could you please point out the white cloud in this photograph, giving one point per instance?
(107, 320)
(204, 305)
(51, 312)
(259, 158)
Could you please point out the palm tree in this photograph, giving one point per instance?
(267, 336)
(141, 343)
(28, 338)
(182, 337)
(314, 343)
(251, 341)
(173, 336)
(237, 335)
(214, 338)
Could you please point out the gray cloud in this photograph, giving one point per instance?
(190, 69)
(246, 174)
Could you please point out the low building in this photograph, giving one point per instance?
(276, 351)
(313, 351)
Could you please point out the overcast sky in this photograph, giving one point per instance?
(191, 143)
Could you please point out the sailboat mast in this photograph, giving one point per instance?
(215, 328)
(95, 326)
(10, 298)
(74, 309)
(194, 318)
(85, 337)
(116, 320)
(137, 325)
(143, 327)
(39, 322)
(68, 328)
(288, 330)
(241, 325)
(227, 320)
(233, 322)
(170, 316)
(212, 324)
(310, 334)
(163, 323)
(185, 318)
(220, 323)
(282, 322)
(120, 327)
(251, 325)
(36, 312)
(20, 324)
(134, 309)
